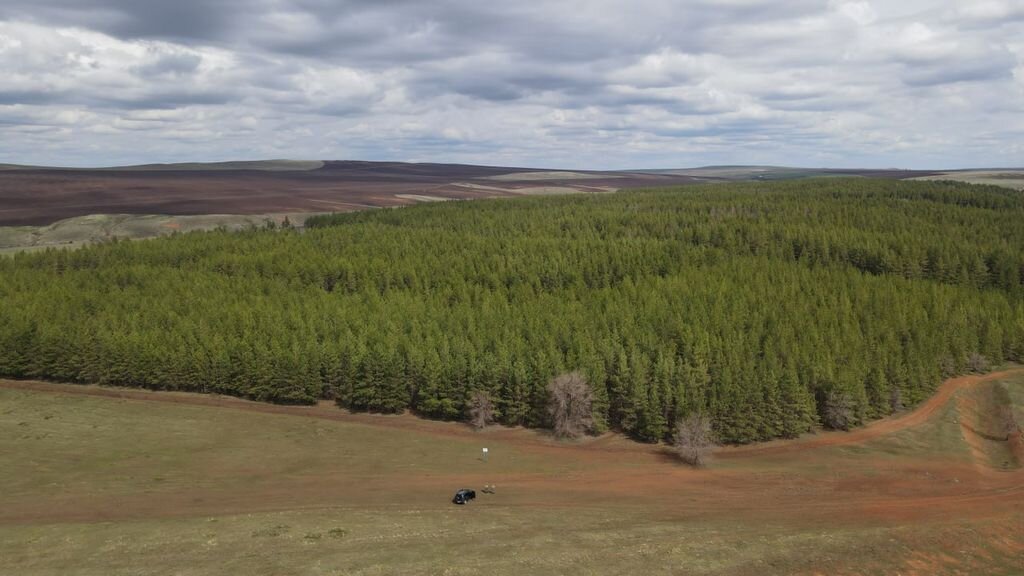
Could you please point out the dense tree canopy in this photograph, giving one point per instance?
(756, 304)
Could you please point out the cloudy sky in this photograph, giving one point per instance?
(559, 83)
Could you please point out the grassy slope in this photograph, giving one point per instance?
(1005, 178)
(199, 490)
(76, 232)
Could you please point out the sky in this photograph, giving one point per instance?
(596, 84)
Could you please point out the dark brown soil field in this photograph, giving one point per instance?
(41, 196)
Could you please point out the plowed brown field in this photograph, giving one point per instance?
(43, 196)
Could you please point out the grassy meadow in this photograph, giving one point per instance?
(95, 485)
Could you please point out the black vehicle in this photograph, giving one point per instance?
(464, 496)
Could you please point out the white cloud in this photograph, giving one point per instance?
(860, 12)
(666, 67)
(988, 11)
(573, 83)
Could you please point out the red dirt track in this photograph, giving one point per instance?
(873, 430)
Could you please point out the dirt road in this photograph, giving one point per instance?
(875, 429)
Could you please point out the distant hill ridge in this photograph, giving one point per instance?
(263, 165)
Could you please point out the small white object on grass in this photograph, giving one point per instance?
(485, 454)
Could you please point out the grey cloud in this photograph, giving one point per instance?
(171, 64)
(970, 72)
(502, 82)
(207, 20)
(783, 95)
(748, 128)
(34, 97)
(979, 64)
(379, 30)
(163, 100)
(567, 82)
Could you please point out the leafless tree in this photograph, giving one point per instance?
(838, 411)
(694, 440)
(1006, 421)
(948, 367)
(896, 399)
(978, 363)
(570, 404)
(480, 410)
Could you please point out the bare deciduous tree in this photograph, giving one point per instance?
(896, 399)
(837, 411)
(1006, 421)
(978, 363)
(948, 367)
(480, 410)
(694, 440)
(570, 404)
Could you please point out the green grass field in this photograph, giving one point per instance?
(92, 485)
(1005, 178)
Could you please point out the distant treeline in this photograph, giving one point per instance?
(758, 304)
